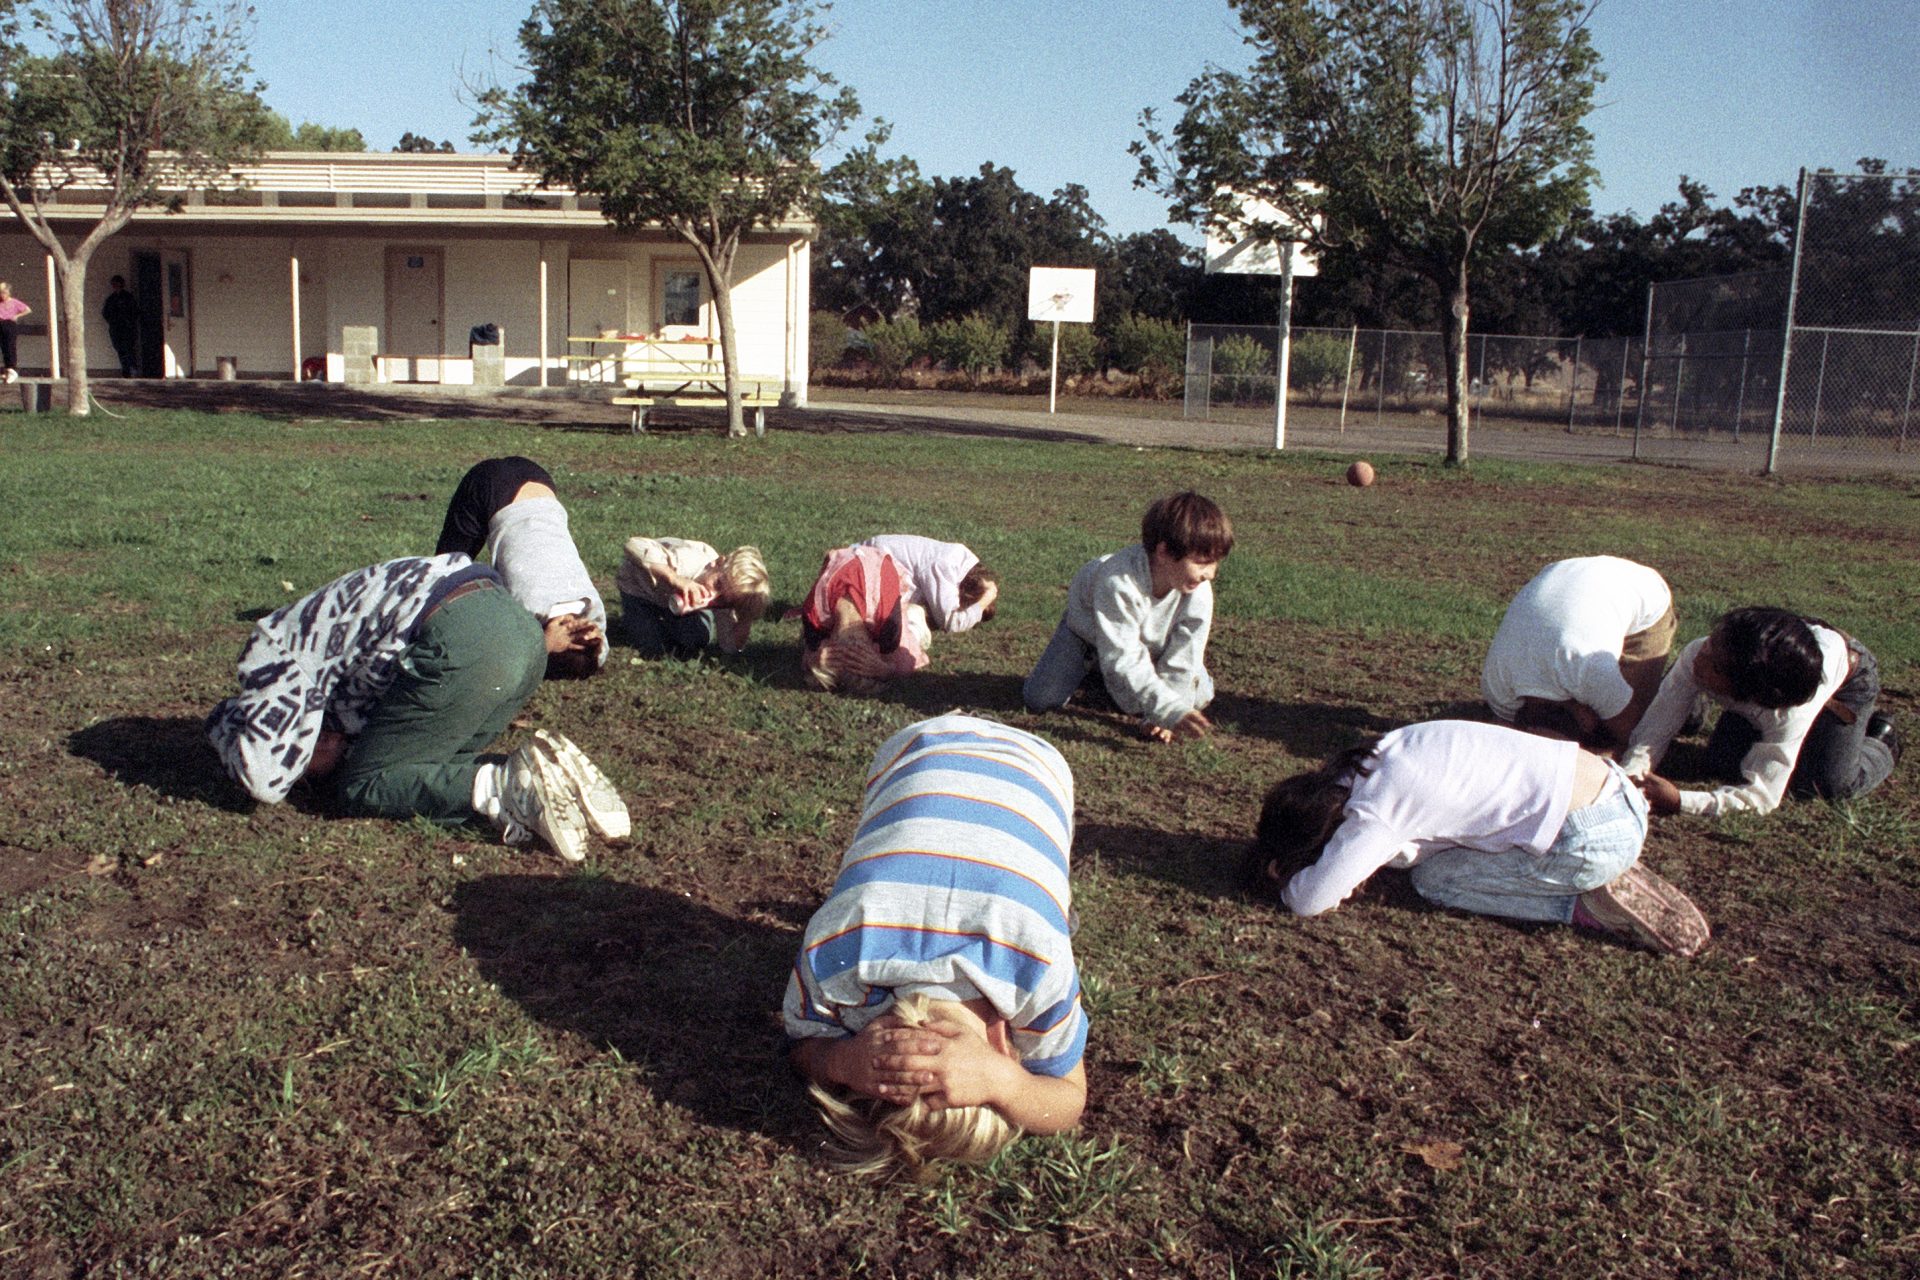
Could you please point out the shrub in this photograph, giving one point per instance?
(893, 345)
(1245, 366)
(827, 339)
(1318, 362)
(1079, 348)
(975, 344)
(1153, 350)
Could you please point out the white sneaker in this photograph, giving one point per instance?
(537, 797)
(13, 375)
(606, 812)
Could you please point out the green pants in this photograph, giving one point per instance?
(474, 665)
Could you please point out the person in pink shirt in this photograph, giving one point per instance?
(11, 310)
(859, 628)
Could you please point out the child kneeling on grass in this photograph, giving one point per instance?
(509, 508)
(680, 597)
(1140, 617)
(1489, 819)
(934, 1005)
(859, 627)
(389, 683)
(1801, 719)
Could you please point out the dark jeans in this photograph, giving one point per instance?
(656, 632)
(487, 487)
(9, 344)
(475, 662)
(1837, 759)
(126, 345)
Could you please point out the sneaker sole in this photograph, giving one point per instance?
(598, 798)
(1651, 911)
(560, 822)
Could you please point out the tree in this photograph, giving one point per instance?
(138, 101)
(702, 116)
(873, 211)
(1434, 132)
(419, 144)
(282, 136)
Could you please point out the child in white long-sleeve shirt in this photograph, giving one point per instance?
(1801, 718)
(1489, 819)
(1141, 617)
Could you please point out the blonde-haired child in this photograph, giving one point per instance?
(935, 1005)
(859, 627)
(680, 597)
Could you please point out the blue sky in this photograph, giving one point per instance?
(1734, 93)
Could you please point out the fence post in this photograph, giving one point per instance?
(1353, 339)
(1740, 397)
(1573, 388)
(1906, 410)
(1820, 385)
(1620, 388)
(1679, 379)
(1646, 351)
(1380, 380)
(1786, 331)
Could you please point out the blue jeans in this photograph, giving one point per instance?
(657, 633)
(1596, 846)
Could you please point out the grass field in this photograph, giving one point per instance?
(241, 1040)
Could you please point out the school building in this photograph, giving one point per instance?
(378, 267)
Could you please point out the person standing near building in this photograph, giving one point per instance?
(11, 311)
(121, 311)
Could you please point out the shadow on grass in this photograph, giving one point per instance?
(689, 995)
(1209, 866)
(1308, 730)
(170, 754)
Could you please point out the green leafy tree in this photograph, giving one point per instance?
(976, 344)
(1079, 349)
(1434, 132)
(701, 116)
(892, 345)
(827, 339)
(133, 103)
(419, 144)
(1153, 350)
(1244, 365)
(1317, 363)
(874, 210)
(282, 136)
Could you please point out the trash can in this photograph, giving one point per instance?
(229, 367)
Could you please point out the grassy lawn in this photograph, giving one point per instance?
(244, 1040)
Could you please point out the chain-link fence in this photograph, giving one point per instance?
(1374, 377)
(1706, 380)
(1704, 384)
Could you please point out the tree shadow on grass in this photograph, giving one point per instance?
(1308, 730)
(688, 994)
(170, 754)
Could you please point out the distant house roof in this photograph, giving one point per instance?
(374, 186)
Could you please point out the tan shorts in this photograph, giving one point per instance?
(1655, 642)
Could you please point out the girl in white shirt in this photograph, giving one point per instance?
(1488, 819)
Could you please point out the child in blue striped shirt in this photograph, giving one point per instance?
(935, 1005)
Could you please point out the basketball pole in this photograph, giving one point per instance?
(1285, 344)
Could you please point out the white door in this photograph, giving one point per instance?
(176, 314)
(596, 308)
(415, 329)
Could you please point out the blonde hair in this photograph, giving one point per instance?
(748, 589)
(885, 1140)
(818, 668)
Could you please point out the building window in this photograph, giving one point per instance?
(680, 298)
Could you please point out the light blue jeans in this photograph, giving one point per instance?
(1595, 846)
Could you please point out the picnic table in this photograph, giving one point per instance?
(655, 372)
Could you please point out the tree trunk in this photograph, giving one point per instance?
(729, 357)
(73, 330)
(1453, 343)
